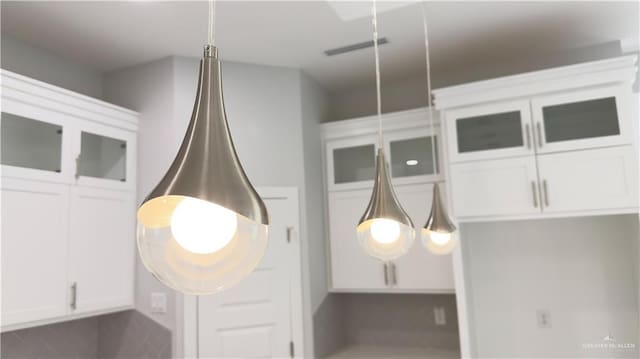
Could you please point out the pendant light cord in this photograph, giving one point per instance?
(374, 21)
(212, 22)
(429, 98)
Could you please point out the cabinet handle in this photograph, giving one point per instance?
(394, 277)
(534, 190)
(545, 193)
(77, 175)
(386, 274)
(539, 129)
(527, 137)
(74, 295)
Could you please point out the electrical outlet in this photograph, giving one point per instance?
(440, 315)
(543, 318)
(158, 302)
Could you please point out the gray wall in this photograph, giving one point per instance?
(412, 92)
(583, 271)
(22, 58)
(270, 110)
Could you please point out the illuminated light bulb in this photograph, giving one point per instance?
(440, 239)
(439, 243)
(385, 231)
(202, 227)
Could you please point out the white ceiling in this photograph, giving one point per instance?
(111, 35)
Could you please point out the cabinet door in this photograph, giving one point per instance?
(411, 156)
(34, 250)
(582, 119)
(105, 157)
(505, 187)
(32, 148)
(599, 179)
(351, 267)
(420, 270)
(489, 131)
(102, 248)
(351, 163)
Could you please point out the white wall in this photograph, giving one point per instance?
(24, 59)
(581, 270)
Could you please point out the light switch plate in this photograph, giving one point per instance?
(158, 302)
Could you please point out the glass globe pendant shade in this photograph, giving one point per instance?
(385, 231)
(204, 227)
(439, 235)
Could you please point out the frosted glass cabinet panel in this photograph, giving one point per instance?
(489, 132)
(354, 164)
(578, 120)
(102, 157)
(582, 119)
(413, 157)
(30, 144)
(498, 130)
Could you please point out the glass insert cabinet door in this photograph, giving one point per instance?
(30, 144)
(411, 157)
(351, 162)
(490, 131)
(102, 157)
(585, 119)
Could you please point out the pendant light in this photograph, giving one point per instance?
(204, 227)
(439, 235)
(385, 231)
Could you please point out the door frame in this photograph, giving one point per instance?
(299, 324)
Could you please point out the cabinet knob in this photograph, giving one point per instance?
(534, 190)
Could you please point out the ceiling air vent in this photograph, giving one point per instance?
(354, 47)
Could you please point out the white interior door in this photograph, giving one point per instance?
(261, 316)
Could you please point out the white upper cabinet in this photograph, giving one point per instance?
(582, 119)
(34, 250)
(490, 131)
(350, 149)
(550, 143)
(68, 204)
(589, 180)
(420, 270)
(503, 187)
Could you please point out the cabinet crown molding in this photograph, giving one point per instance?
(614, 70)
(41, 94)
(414, 118)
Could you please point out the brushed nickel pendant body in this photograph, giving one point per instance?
(203, 227)
(385, 231)
(439, 235)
